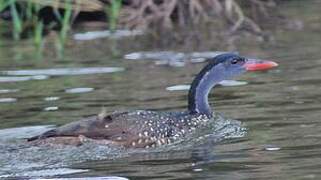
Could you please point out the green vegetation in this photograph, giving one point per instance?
(23, 16)
(4, 4)
(25, 20)
(17, 21)
(65, 22)
(113, 11)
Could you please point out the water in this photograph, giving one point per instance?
(280, 110)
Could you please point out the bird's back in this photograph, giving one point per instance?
(130, 129)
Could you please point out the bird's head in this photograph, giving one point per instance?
(229, 65)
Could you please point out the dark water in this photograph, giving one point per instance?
(280, 110)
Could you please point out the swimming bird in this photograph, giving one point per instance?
(146, 129)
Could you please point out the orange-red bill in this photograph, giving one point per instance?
(259, 65)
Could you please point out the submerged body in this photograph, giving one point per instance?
(145, 129)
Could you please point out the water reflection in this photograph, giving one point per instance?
(79, 90)
(92, 35)
(185, 87)
(22, 78)
(89, 178)
(62, 71)
(44, 173)
(51, 108)
(51, 98)
(7, 100)
(4, 91)
(172, 58)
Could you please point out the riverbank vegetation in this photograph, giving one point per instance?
(33, 19)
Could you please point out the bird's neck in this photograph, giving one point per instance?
(200, 88)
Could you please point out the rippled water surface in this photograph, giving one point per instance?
(280, 109)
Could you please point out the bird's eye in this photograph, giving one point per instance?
(234, 61)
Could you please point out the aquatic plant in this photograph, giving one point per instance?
(38, 35)
(65, 22)
(4, 4)
(22, 16)
(25, 20)
(113, 11)
(37, 25)
(17, 21)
